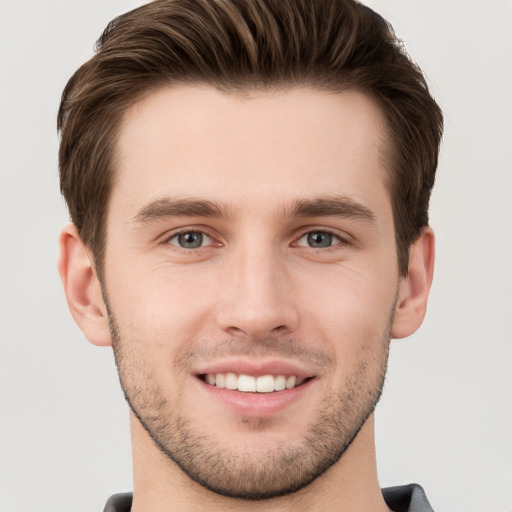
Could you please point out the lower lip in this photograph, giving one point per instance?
(257, 404)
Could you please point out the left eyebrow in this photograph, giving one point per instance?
(335, 206)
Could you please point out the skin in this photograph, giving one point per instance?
(277, 167)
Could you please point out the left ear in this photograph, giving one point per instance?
(415, 286)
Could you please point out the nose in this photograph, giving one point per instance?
(257, 298)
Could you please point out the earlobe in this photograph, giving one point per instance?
(415, 287)
(82, 287)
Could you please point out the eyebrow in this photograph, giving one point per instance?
(335, 206)
(169, 207)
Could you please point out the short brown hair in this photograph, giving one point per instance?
(238, 45)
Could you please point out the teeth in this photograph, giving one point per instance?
(219, 380)
(265, 384)
(246, 383)
(280, 383)
(231, 381)
(291, 381)
(250, 384)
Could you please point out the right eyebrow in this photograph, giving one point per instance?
(169, 207)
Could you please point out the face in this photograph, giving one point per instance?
(251, 277)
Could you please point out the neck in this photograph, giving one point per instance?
(349, 485)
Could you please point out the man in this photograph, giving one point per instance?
(248, 182)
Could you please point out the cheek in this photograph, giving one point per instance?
(160, 312)
(352, 314)
(146, 290)
(347, 297)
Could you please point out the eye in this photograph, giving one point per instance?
(318, 240)
(190, 240)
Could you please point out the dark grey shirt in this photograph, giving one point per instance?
(404, 498)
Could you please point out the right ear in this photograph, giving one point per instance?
(82, 287)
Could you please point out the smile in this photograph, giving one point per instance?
(252, 384)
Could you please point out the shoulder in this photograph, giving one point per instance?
(406, 498)
(121, 502)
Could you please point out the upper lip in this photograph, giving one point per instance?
(254, 367)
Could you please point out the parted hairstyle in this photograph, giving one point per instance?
(246, 45)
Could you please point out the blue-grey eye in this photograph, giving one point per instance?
(318, 240)
(190, 239)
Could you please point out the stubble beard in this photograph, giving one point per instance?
(251, 475)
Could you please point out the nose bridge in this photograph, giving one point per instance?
(258, 297)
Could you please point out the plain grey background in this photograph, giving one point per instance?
(445, 419)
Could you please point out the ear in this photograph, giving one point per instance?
(82, 287)
(415, 287)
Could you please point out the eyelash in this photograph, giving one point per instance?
(189, 231)
(341, 240)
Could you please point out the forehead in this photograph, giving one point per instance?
(275, 145)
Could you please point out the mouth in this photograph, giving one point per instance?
(263, 388)
(253, 384)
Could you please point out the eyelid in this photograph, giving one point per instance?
(167, 237)
(206, 239)
(342, 238)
